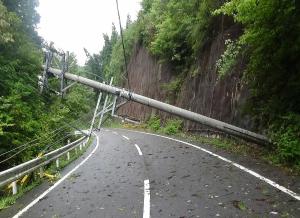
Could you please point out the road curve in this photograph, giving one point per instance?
(133, 174)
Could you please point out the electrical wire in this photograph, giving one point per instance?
(28, 143)
(10, 157)
(122, 39)
(53, 143)
(31, 145)
(51, 136)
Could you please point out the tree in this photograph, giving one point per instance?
(26, 12)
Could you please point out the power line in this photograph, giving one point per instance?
(28, 144)
(124, 51)
(10, 157)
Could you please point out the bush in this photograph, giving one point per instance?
(172, 126)
(154, 123)
(286, 137)
(229, 58)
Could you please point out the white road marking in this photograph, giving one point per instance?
(115, 133)
(125, 137)
(251, 172)
(146, 213)
(139, 150)
(21, 212)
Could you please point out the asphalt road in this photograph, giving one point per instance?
(130, 174)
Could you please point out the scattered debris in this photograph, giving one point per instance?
(239, 204)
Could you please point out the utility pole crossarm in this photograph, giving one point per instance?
(213, 123)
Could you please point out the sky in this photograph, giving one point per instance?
(76, 24)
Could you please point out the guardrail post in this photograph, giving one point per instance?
(76, 150)
(57, 163)
(35, 165)
(68, 156)
(14, 188)
(41, 172)
(80, 146)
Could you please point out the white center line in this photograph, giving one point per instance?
(125, 137)
(146, 213)
(139, 150)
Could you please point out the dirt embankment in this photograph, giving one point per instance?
(201, 91)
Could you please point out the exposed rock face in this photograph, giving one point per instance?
(202, 92)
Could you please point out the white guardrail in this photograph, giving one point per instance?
(14, 173)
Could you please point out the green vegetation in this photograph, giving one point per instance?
(286, 137)
(169, 127)
(172, 127)
(110, 61)
(25, 114)
(229, 58)
(112, 123)
(154, 123)
(178, 32)
(9, 200)
(271, 41)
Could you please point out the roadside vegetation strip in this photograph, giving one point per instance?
(7, 200)
(251, 172)
(21, 212)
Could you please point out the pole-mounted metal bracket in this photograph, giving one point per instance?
(64, 69)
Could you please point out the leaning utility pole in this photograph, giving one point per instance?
(207, 121)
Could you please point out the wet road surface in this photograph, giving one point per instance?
(183, 182)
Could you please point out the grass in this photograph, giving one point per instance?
(8, 199)
(112, 123)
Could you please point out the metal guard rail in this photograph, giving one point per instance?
(14, 173)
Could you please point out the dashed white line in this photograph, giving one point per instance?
(146, 212)
(251, 172)
(125, 137)
(139, 150)
(21, 212)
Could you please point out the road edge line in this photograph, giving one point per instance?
(245, 169)
(25, 209)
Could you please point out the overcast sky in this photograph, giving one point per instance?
(76, 24)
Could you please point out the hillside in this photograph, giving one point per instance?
(235, 61)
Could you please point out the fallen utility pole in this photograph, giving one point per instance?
(216, 124)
